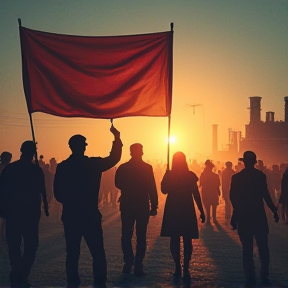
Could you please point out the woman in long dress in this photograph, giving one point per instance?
(179, 218)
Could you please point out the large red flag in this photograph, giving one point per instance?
(97, 77)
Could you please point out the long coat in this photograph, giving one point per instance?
(136, 181)
(210, 183)
(179, 213)
(247, 192)
(22, 185)
(284, 189)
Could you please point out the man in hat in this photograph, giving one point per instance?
(247, 192)
(226, 175)
(138, 201)
(76, 186)
(210, 190)
(22, 184)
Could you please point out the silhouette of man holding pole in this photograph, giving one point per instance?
(76, 186)
(247, 192)
(22, 185)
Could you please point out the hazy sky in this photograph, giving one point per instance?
(224, 52)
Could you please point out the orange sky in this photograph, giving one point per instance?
(224, 53)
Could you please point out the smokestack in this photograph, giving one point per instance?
(255, 109)
(286, 109)
(270, 116)
(215, 139)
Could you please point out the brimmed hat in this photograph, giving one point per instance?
(209, 163)
(248, 156)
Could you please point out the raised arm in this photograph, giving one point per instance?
(116, 151)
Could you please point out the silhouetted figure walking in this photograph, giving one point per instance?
(76, 186)
(179, 218)
(210, 192)
(283, 200)
(136, 181)
(5, 159)
(227, 174)
(22, 184)
(248, 190)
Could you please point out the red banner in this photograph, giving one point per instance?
(97, 77)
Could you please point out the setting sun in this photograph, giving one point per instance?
(172, 139)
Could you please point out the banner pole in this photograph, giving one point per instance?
(168, 147)
(170, 90)
(30, 116)
(33, 137)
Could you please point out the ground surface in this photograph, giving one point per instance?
(216, 260)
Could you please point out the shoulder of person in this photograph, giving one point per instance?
(193, 176)
(93, 159)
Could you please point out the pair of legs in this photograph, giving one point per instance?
(228, 208)
(91, 230)
(140, 220)
(2, 227)
(248, 262)
(175, 251)
(16, 230)
(207, 209)
(284, 213)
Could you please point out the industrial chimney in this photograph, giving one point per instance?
(286, 109)
(270, 116)
(215, 139)
(255, 109)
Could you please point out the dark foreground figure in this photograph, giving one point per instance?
(76, 186)
(179, 218)
(247, 192)
(22, 184)
(136, 181)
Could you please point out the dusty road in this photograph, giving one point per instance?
(216, 260)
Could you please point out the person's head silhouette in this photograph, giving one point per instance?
(5, 157)
(228, 164)
(136, 151)
(28, 149)
(209, 164)
(179, 162)
(249, 159)
(77, 144)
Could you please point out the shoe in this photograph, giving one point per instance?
(127, 268)
(186, 277)
(265, 282)
(177, 272)
(99, 284)
(73, 284)
(138, 271)
(251, 282)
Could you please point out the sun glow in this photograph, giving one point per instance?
(172, 139)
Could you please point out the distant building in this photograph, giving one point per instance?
(269, 139)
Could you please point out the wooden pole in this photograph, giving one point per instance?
(170, 88)
(30, 116)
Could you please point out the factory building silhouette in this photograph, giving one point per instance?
(268, 139)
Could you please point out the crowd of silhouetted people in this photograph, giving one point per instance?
(76, 188)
